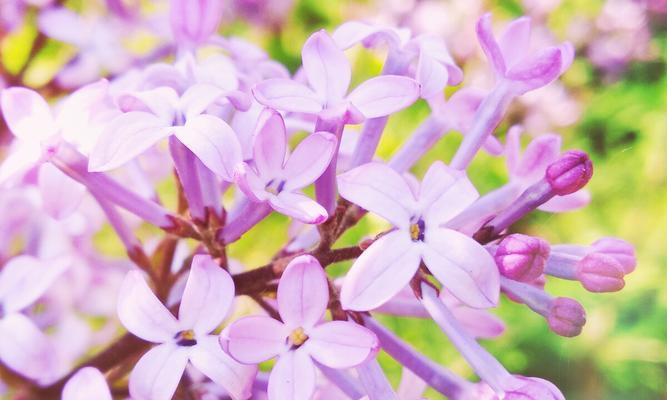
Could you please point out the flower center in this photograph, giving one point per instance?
(297, 337)
(417, 230)
(275, 186)
(186, 338)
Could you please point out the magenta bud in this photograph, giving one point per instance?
(533, 389)
(522, 257)
(570, 172)
(619, 249)
(566, 317)
(194, 21)
(600, 272)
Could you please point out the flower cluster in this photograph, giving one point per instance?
(236, 137)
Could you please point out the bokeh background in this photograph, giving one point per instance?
(611, 103)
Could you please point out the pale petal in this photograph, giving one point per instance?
(379, 189)
(478, 323)
(287, 95)
(248, 181)
(490, 45)
(566, 203)
(380, 272)
(24, 279)
(534, 161)
(270, 143)
(341, 344)
(431, 75)
(142, 313)
(213, 142)
(163, 102)
(207, 356)
(444, 193)
(158, 372)
(326, 67)
(61, 194)
(25, 349)
(22, 156)
(309, 160)
(126, 137)
(353, 32)
(83, 69)
(463, 266)
(293, 377)
(303, 293)
(299, 206)
(87, 384)
(514, 42)
(197, 98)
(254, 339)
(208, 295)
(64, 25)
(513, 148)
(384, 95)
(27, 114)
(536, 71)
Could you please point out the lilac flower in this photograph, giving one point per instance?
(208, 295)
(328, 73)
(277, 180)
(193, 22)
(24, 348)
(156, 114)
(88, 383)
(300, 339)
(456, 260)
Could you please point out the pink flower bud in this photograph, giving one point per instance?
(533, 389)
(194, 21)
(619, 249)
(522, 257)
(600, 272)
(566, 317)
(570, 172)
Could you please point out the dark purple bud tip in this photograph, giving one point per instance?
(522, 257)
(566, 317)
(620, 250)
(599, 273)
(570, 172)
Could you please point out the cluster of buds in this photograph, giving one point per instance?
(216, 126)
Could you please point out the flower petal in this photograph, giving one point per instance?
(24, 279)
(207, 356)
(248, 181)
(197, 98)
(431, 75)
(341, 344)
(287, 95)
(142, 313)
(326, 67)
(158, 372)
(541, 152)
(270, 143)
(293, 377)
(254, 339)
(126, 137)
(490, 45)
(27, 114)
(380, 272)
(213, 142)
(21, 157)
(163, 102)
(568, 202)
(88, 383)
(353, 32)
(384, 95)
(379, 189)
(299, 206)
(309, 160)
(514, 42)
(27, 350)
(61, 194)
(463, 266)
(444, 193)
(208, 295)
(537, 71)
(303, 293)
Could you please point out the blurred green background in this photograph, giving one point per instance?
(622, 352)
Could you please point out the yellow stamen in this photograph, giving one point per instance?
(298, 337)
(187, 335)
(414, 232)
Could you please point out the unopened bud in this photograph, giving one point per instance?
(620, 250)
(599, 272)
(566, 317)
(522, 257)
(570, 172)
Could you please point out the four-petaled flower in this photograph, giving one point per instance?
(278, 181)
(329, 73)
(461, 264)
(300, 338)
(207, 298)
